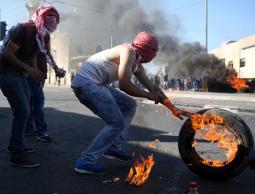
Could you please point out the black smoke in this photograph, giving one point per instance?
(95, 23)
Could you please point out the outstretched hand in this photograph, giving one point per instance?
(180, 113)
(175, 111)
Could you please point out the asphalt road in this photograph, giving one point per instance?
(73, 126)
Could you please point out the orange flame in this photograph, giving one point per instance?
(237, 83)
(140, 172)
(208, 127)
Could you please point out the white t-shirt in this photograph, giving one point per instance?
(99, 69)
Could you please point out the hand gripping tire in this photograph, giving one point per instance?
(193, 160)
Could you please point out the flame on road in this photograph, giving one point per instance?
(237, 83)
(140, 172)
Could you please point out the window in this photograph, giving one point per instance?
(242, 62)
(230, 64)
(222, 61)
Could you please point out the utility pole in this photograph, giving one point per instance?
(206, 26)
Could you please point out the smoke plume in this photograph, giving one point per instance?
(99, 24)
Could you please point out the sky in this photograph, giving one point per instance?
(227, 19)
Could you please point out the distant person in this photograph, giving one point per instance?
(116, 107)
(157, 81)
(166, 81)
(19, 60)
(186, 84)
(195, 84)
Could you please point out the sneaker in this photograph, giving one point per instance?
(31, 132)
(21, 160)
(26, 150)
(119, 155)
(86, 168)
(44, 138)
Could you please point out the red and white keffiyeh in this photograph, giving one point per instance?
(46, 18)
(146, 46)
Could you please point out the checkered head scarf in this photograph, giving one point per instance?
(46, 18)
(146, 46)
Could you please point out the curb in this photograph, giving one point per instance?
(228, 108)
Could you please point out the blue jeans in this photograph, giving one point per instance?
(116, 108)
(36, 107)
(17, 92)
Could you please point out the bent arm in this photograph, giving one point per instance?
(48, 54)
(127, 58)
(59, 71)
(144, 80)
(9, 54)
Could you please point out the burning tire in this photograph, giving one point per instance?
(199, 161)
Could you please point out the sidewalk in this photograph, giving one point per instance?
(235, 102)
(240, 97)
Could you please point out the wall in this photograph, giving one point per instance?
(233, 51)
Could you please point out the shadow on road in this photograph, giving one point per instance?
(72, 133)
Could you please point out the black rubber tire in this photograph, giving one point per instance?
(232, 169)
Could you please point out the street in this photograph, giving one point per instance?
(72, 127)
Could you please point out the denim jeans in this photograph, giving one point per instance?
(116, 108)
(36, 107)
(17, 92)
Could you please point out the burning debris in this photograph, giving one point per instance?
(140, 172)
(213, 129)
(222, 144)
(141, 169)
(237, 83)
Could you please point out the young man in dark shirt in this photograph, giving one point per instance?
(37, 97)
(37, 100)
(19, 60)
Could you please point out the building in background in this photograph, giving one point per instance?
(60, 53)
(69, 53)
(239, 55)
(72, 43)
